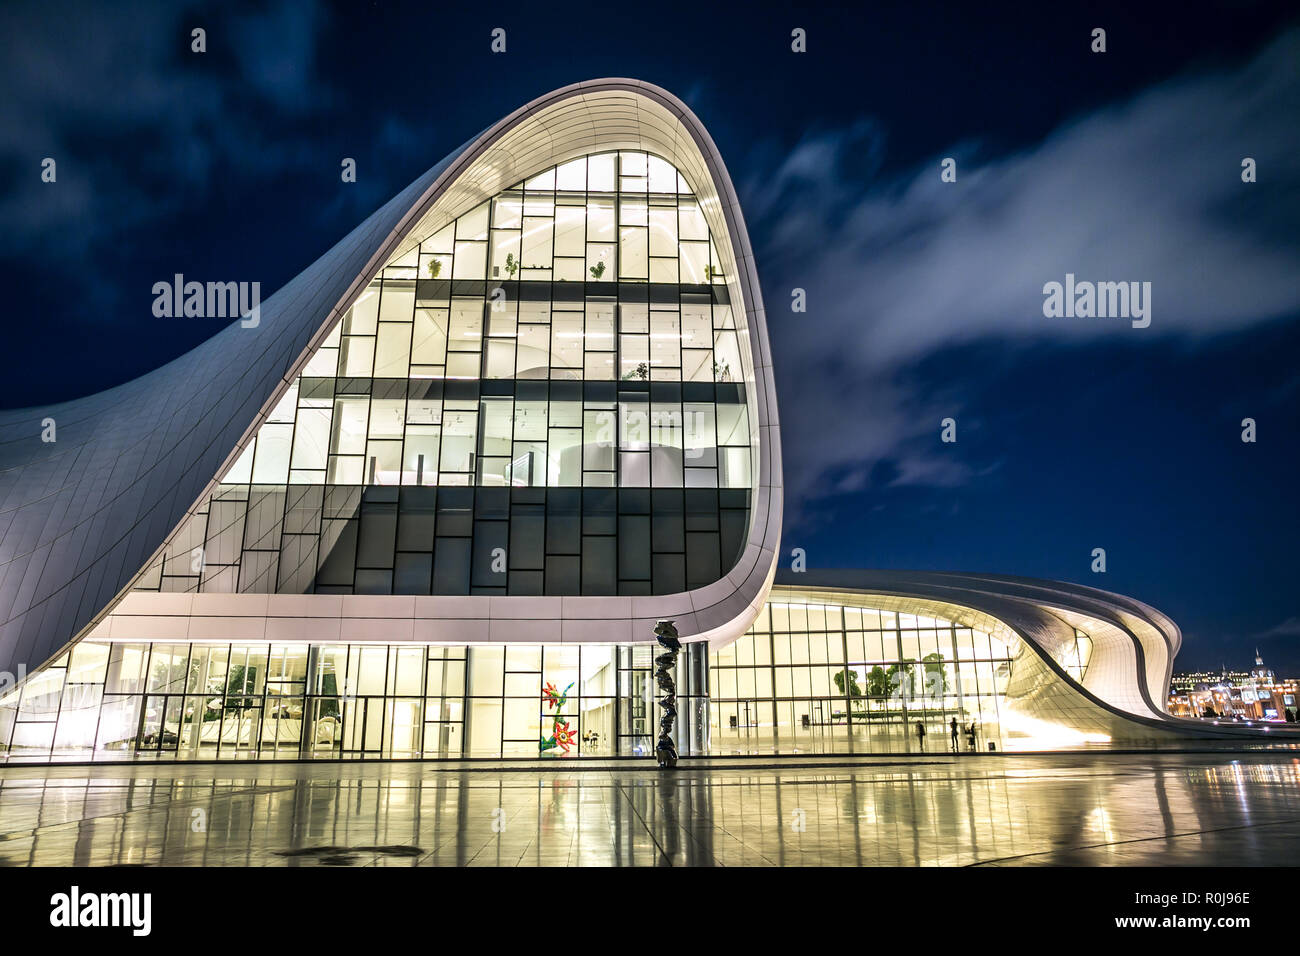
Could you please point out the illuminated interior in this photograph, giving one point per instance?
(808, 676)
(574, 332)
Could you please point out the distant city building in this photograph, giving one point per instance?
(1182, 683)
(1257, 694)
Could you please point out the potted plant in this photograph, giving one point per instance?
(511, 265)
(435, 266)
(597, 270)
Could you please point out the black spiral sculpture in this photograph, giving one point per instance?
(666, 635)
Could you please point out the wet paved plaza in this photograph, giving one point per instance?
(1090, 809)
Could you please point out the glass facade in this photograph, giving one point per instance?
(841, 678)
(806, 677)
(545, 396)
(104, 701)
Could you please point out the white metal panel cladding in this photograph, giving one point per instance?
(80, 518)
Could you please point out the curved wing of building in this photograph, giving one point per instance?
(1067, 662)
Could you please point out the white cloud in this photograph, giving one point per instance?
(897, 271)
(1288, 628)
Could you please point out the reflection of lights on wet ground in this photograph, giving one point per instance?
(1169, 809)
(1045, 733)
(1100, 823)
(1239, 777)
(868, 815)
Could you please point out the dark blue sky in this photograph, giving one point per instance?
(924, 298)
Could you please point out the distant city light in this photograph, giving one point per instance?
(1257, 695)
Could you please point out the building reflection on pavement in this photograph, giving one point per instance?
(1084, 809)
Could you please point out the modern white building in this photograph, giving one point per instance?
(433, 502)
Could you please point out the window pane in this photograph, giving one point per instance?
(663, 232)
(633, 255)
(393, 350)
(311, 438)
(700, 437)
(358, 356)
(271, 464)
(397, 302)
(466, 330)
(537, 244)
(570, 237)
(471, 260)
(598, 440)
(566, 343)
(429, 346)
(361, 318)
(420, 455)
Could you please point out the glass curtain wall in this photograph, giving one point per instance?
(259, 701)
(806, 677)
(832, 678)
(545, 396)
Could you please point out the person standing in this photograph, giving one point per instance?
(920, 734)
(953, 726)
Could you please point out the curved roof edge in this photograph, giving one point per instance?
(1125, 667)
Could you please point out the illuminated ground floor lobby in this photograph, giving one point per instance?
(851, 676)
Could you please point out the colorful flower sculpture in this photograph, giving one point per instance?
(553, 696)
(562, 738)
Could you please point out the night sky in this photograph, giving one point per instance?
(924, 298)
